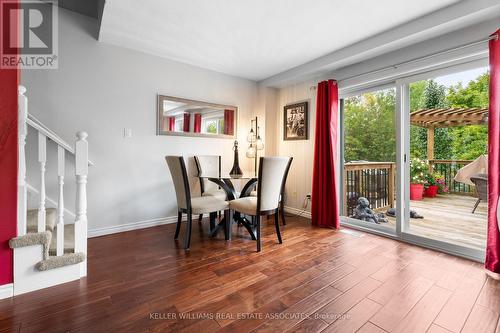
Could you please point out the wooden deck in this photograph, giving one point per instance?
(449, 218)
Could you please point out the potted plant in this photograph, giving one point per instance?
(435, 184)
(431, 185)
(418, 171)
(441, 184)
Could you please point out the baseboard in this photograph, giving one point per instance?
(6, 291)
(130, 226)
(299, 212)
(165, 220)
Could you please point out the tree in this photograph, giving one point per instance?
(470, 141)
(428, 95)
(370, 127)
(369, 121)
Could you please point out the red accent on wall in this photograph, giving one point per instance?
(9, 81)
(229, 122)
(197, 123)
(171, 124)
(187, 120)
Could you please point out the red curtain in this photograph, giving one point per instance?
(187, 120)
(324, 205)
(171, 124)
(492, 261)
(229, 122)
(197, 123)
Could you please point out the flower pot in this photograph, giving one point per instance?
(431, 191)
(416, 191)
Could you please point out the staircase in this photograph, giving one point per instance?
(49, 250)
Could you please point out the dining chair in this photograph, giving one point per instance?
(209, 164)
(272, 173)
(192, 205)
(282, 198)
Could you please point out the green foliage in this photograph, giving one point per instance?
(212, 127)
(369, 127)
(475, 95)
(370, 122)
(470, 141)
(428, 95)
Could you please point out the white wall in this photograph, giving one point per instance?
(103, 89)
(299, 181)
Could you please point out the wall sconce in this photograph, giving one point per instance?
(255, 141)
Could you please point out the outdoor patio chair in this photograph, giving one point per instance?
(481, 182)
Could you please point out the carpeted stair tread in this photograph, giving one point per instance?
(50, 219)
(60, 261)
(69, 240)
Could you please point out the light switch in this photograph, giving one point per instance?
(127, 132)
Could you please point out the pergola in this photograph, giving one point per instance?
(449, 117)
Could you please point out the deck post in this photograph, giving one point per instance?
(392, 178)
(430, 146)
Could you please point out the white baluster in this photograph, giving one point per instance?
(42, 158)
(82, 168)
(60, 205)
(22, 202)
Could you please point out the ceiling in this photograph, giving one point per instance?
(252, 39)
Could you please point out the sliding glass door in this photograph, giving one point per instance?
(369, 156)
(414, 162)
(446, 120)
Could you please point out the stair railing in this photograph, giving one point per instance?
(80, 151)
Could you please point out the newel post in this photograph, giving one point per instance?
(81, 171)
(22, 205)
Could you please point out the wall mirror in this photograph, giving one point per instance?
(184, 117)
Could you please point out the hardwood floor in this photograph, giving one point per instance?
(318, 280)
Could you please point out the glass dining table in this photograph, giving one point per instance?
(225, 182)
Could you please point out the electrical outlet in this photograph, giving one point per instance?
(294, 194)
(127, 132)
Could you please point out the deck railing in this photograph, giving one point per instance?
(376, 182)
(372, 180)
(449, 168)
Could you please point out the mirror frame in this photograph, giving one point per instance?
(161, 98)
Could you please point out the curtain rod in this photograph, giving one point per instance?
(492, 37)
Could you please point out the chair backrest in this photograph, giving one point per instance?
(272, 175)
(481, 183)
(208, 164)
(178, 171)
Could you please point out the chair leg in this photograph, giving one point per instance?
(277, 225)
(282, 211)
(188, 231)
(200, 217)
(259, 245)
(475, 206)
(212, 221)
(178, 227)
(228, 217)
